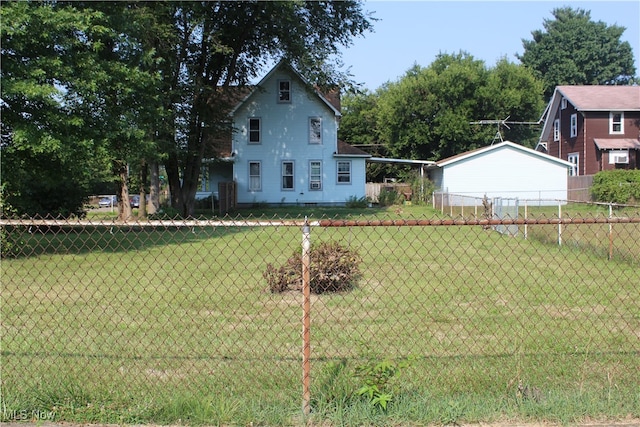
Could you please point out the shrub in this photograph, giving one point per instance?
(333, 268)
(616, 186)
(357, 202)
(390, 197)
(422, 189)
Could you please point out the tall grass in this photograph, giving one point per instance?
(136, 325)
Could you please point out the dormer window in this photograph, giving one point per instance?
(284, 91)
(616, 122)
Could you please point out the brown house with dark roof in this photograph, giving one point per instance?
(595, 128)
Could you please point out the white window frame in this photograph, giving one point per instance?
(315, 175)
(288, 174)
(616, 126)
(343, 176)
(254, 132)
(556, 130)
(315, 130)
(284, 93)
(574, 125)
(563, 103)
(255, 180)
(615, 155)
(574, 159)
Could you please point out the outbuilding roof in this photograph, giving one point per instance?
(513, 145)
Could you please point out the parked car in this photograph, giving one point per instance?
(134, 201)
(108, 201)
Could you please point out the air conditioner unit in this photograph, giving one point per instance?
(315, 185)
(620, 157)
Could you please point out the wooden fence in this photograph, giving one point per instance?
(579, 188)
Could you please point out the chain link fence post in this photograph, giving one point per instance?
(306, 319)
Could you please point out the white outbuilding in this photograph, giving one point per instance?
(502, 170)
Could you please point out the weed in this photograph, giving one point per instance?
(376, 377)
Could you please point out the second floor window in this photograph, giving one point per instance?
(574, 125)
(254, 131)
(315, 130)
(556, 130)
(616, 122)
(284, 91)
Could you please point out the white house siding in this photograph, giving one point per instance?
(285, 136)
(508, 171)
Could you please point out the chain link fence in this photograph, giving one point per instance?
(144, 321)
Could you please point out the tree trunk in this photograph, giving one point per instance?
(154, 188)
(124, 208)
(173, 178)
(144, 171)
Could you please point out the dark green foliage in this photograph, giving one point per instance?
(431, 112)
(333, 268)
(574, 50)
(616, 186)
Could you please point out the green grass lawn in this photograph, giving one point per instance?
(176, 325)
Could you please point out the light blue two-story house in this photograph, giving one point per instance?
(285, 147)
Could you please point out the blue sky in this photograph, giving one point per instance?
(410, 32)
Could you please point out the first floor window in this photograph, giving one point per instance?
(616, 122)
(574, 159)
(344, 172)
(287, 175)
(255, 176)
(556, 130)
(574, 125)
(254, 130)
(315, 175)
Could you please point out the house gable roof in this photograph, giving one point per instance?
(331, 100)
(602, 98)
(501, 145)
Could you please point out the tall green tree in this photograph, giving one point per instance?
(574, 50)
(48, 161)
(431, 112)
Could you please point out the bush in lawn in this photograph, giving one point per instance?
(355, 202)
(616, 186)
(390, 197)
(333, 268)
